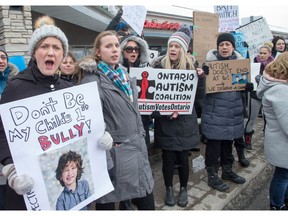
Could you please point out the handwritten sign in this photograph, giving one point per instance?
(135, 17)
(165, 90)
(228, 17)
(40, 129)
(256, 34)
(226, 76)
(239, 43)
(205, 33)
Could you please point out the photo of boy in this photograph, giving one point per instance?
(68, 173)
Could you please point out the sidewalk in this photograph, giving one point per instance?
(203, 197)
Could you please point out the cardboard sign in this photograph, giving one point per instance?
(231, 75)
(42, 128)
(205, 33)
(135, 17)
(165, 90)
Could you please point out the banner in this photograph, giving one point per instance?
(42, 130)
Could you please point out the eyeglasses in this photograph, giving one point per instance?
(3, 57)
(129, 49)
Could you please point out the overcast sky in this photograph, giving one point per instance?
(274, 11)
(276, 15)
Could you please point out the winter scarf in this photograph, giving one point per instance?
(119, 76)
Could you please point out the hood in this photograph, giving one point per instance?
(266, 82)
(13, 70)
(144, 53)
(86, 64)
(212, 55)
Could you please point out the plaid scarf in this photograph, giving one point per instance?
(119, 76)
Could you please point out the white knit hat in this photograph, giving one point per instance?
(45, 28)
(182, 36)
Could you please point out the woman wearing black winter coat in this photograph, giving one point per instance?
(177, 134)
(48, 46)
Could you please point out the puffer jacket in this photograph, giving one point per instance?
(131, 174)
(177, 134)
(222, 115)
(274, 94)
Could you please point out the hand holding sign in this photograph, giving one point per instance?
(21, 184)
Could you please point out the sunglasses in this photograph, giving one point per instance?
(129, 49)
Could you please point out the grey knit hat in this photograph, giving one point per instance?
(44, 27)
(182, 36)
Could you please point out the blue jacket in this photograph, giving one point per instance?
(68, 199)
(9, 72)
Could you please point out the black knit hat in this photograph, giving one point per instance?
(226, 37)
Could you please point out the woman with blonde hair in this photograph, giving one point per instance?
(264, 57)
(273, 90)
(177, 134)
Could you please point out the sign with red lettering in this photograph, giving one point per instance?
(154, 24)
(165, 90)
(53, 138)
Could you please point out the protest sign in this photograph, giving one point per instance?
(40, 129)
(228, 17)
(255, 68)
(165, 90)
(205, 32)
(256, 34)
(135, 17)
(231, 75)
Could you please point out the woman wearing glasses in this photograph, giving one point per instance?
(135, 54)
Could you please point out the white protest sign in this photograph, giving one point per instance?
(228, 17)
(165, 90)
(153, 54)
(42, 128)
(135, 17)
(256, 34)
(255, 68)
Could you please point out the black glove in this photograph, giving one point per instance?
(120, 12)
(205, 68)
(249, 87)
(155, 114)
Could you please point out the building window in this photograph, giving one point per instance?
(16, 8)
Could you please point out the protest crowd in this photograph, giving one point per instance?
(205, 115)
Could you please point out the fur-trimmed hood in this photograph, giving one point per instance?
(212, 55)
(86, 64)
(144, 53)
(10, 71)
